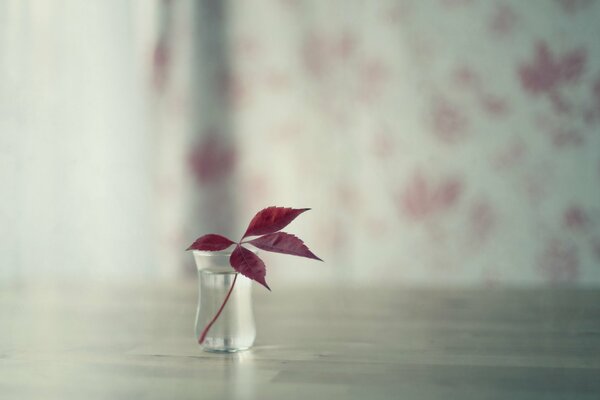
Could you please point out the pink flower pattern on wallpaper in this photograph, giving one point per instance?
(572, 6)
(471, 83)
(559, 263)
(423, 197)
(322, 52)
(592, 114)
(160, 61)
(446, 149)
(449, 121)
(482, 221)
(548, 73)
(557, 133)
(576, 218)
(509, 155)
(502, 21)
(212, 159)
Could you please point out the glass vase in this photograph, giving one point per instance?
(234, 329)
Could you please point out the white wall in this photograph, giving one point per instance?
(407, 126)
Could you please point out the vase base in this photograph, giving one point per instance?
(223, 351)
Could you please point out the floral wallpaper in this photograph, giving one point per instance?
(438, 142)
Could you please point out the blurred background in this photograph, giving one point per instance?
(438, 142)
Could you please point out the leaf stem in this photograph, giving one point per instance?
(210, 324)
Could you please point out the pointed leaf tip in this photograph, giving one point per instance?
(249, 264)
(272, 219)
(211, 242)
(285, 243)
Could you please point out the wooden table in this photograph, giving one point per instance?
(136, 342)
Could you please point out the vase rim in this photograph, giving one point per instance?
(220, 252)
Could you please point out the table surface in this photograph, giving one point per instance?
(136, 342)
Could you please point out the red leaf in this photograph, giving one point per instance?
(272, 219)
(285, 243)
(248, 264)
(211, 242)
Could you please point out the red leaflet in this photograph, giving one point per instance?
(211, 242)
(281, 242)
(272, 219)
(248, 264)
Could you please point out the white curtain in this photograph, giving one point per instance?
(77, 152)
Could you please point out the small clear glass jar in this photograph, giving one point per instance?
(234, 330)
